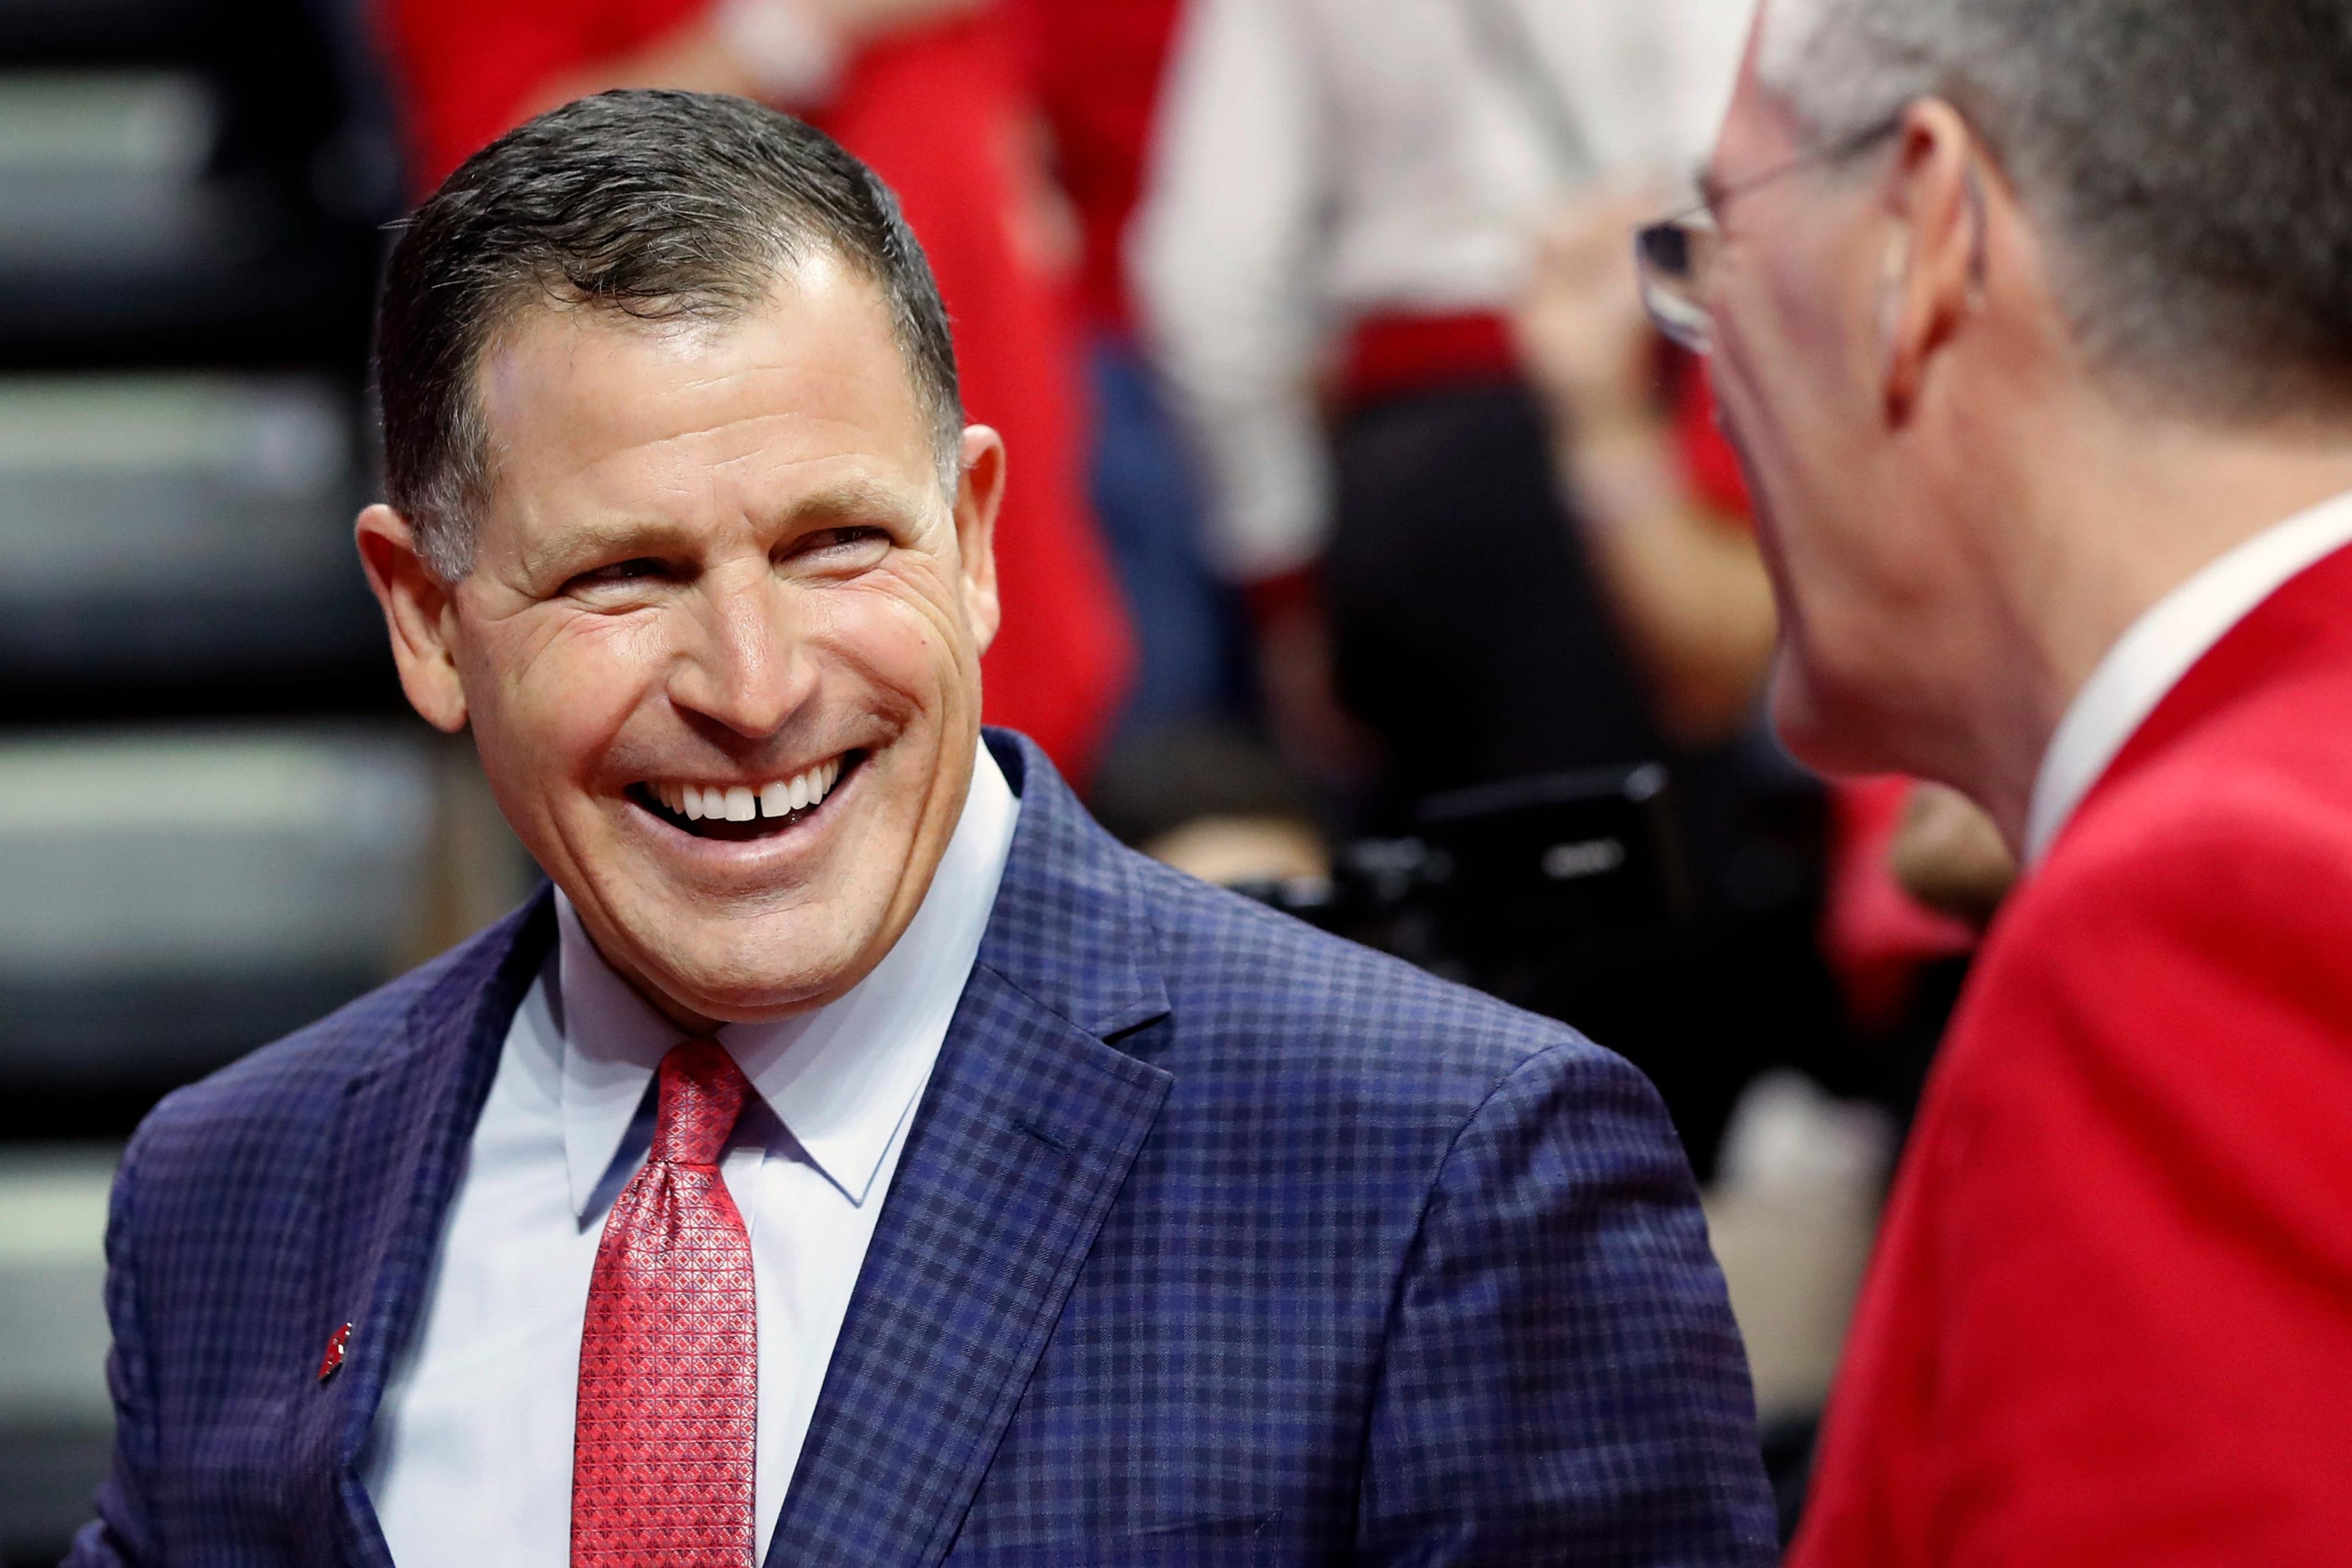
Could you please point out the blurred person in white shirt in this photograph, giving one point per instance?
(1345, 205)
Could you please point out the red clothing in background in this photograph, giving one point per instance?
(1097, 64)
(1876, 937)
(942, 115)
(2110, 1319)
(1708, 453)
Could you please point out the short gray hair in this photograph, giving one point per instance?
(2193, 159)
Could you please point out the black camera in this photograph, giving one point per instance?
(1496, 878)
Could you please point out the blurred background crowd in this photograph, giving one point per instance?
(1364, 548)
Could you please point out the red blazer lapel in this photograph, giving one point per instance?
(2304, 627)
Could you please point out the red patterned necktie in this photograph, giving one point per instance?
(661, 1465)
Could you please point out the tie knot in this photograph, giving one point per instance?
(702, 1093)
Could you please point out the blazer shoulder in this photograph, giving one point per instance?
(1251, 986)
(2257, 815)
(2269, 771)
(282, 1090)
(2191, 909)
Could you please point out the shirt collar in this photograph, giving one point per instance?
(842, 1079)
(2161, 646)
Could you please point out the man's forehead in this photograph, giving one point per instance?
(813, 370)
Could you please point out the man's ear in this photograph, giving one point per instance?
(979, 494)
(1935, 257)
(419, 612)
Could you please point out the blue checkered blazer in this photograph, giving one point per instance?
(1215, 1241)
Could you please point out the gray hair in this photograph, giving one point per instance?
(2193, 159)
(648, 207)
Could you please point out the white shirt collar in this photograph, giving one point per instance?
(2161, 646)
(842, 1079)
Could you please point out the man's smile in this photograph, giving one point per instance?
(748, 810)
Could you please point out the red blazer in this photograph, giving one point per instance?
(2110, 1320)
(942, 115)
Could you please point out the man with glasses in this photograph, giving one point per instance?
(2033, 327)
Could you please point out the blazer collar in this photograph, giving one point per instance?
(2163, 645)
(2301, 626)
(1070, 930)
(401, 1131)
(1022, 1143)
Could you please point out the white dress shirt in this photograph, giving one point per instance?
(471, 1457)
(1320, 161)
(2161, 646)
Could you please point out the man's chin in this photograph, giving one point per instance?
(699, 1007)
(699, 979)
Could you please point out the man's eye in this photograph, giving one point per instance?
(835, 545)
(642, 569)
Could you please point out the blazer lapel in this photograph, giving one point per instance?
(400, 1142)
(2300, 628)
(1023, 1140)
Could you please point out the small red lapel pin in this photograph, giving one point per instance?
(334, 1356)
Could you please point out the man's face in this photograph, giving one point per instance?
(1796, 295)
(720, 645)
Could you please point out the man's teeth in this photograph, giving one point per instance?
(742, 803)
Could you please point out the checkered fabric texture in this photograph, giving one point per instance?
(670, 1381)
(1214, 1240)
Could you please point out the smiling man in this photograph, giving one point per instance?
(856, 1158)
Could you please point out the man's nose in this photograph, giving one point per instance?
(745, 667)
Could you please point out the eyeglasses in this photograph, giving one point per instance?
(1673, 256)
